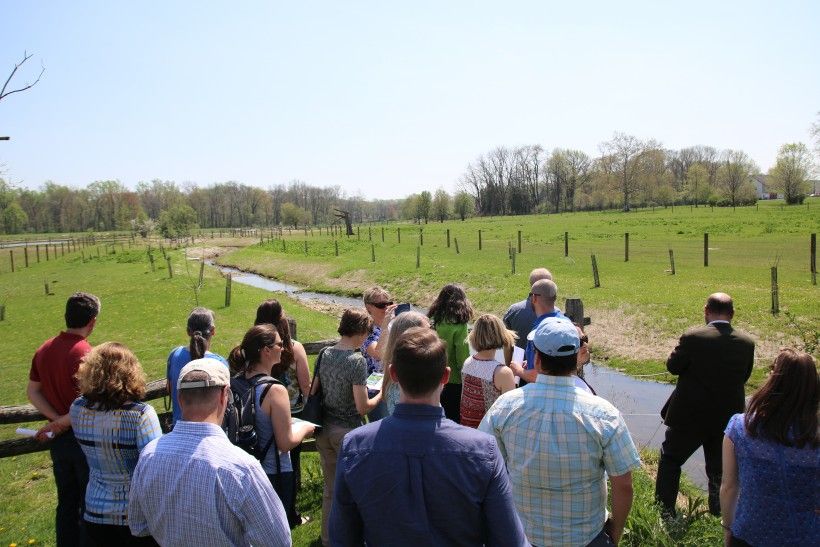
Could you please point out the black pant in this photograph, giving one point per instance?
(105, 535)
(71, 477)
(677, 447)
(451, 402)
(285, 486)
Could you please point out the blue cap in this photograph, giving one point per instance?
(556, 336)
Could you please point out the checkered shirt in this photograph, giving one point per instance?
(557, 441)
(193, 487)
(111, 441)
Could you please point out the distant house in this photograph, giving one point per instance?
(761, 188)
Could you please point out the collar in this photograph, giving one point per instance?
(554, 313)
(718, 321)
(409, 410)
(198, 429)
(71, 335)
(546, 379)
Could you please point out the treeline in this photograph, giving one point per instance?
(628, 172)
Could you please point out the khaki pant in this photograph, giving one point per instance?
(329, 444)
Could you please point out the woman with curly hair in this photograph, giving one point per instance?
(450, 313)
(112, 427)
(771, 460)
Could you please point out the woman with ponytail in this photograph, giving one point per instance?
(259, 355)
(200, 330)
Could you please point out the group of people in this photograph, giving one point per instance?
(458, 443)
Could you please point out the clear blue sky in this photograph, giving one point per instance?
(389, 98)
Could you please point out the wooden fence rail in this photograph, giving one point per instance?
(17, 414)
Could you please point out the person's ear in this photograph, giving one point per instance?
(445, 378)
(213, 330)
(391, 369)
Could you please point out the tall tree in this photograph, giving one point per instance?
(623, 154)
(463, 205)
(697, 183)
(441, 205)
(423, 205)
(735, 174)
(791, 171)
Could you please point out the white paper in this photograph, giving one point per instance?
(517, 355)
(294, 420)
(32, 432)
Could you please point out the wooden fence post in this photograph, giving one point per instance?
(626, 247)
(672, 261)
(566, 246)
(37, 250)
(48, 292)
(228, 290)
(372, 253)
(306, 248)
(358, 233)
(519, 242)
(150, 259)
(382, 234)
(418, 256)
(705, 250)
(201, 271)
(456, 242)
(25, 254)
(479, 240)
(574, 309)
(448, 238)
(595, 272)
(46, 252)
(398, 233)
(2, 312)
(11, 258)
(421, 236)
(283, 244)
(775, 292)
(513, 259)
(813, 259)
(369, 233)
(170, 269)
(336, 241)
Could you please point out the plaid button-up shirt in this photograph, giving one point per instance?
(193, 487)
(557, 441)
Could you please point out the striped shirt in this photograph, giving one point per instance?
(193, 487)
(558, 441)
(112, 441)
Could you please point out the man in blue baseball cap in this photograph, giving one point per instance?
(559, 442)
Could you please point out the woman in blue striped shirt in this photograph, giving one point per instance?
(112, 427)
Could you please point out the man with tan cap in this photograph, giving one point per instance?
(520, 316)
(712, 363)
(542, 299)
(193, 487)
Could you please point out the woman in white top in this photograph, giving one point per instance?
(484, 378)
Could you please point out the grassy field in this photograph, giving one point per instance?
(640, 308)
(637, 312)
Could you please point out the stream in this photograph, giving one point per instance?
(638, 400)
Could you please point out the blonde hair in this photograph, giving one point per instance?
(110, 375)
(374, 292)
(490, 333)
(401, 323)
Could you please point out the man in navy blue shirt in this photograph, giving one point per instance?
(416, 478)
(542, 297)
(520, 316)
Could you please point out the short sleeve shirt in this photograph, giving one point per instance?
(339, 371)
(54, 365)
(373, 365)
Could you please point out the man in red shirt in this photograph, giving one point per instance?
(51, 389)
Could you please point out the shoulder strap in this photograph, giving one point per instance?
(316, 371)
(270, 381)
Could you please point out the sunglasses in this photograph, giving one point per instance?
(381, 305)
(278, 344)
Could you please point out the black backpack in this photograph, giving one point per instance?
(240, 415)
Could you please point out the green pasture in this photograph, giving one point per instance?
(143, 309)
(640, 299)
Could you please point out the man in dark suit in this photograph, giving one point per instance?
(712, 363)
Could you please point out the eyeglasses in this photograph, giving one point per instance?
(279, 344)
(381, 305)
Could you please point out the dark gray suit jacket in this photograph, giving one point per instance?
(713, 363)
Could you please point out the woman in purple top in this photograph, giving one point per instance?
(769, 494)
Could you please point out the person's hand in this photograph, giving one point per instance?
(518, 368)
(57, 427)
(389, 314)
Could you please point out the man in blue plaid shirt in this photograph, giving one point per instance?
(559, 442)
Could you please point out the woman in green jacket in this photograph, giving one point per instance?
(450, 313)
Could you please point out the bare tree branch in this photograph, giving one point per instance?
(4, 93)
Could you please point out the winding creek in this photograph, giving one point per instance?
(638, 400)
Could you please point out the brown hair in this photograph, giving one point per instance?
(373, 293)
(249, 352)
(110, 375)
(451, 306)
(785, 408)
(271, 312)
(200, 326)
(419, 358)
(353, 322)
